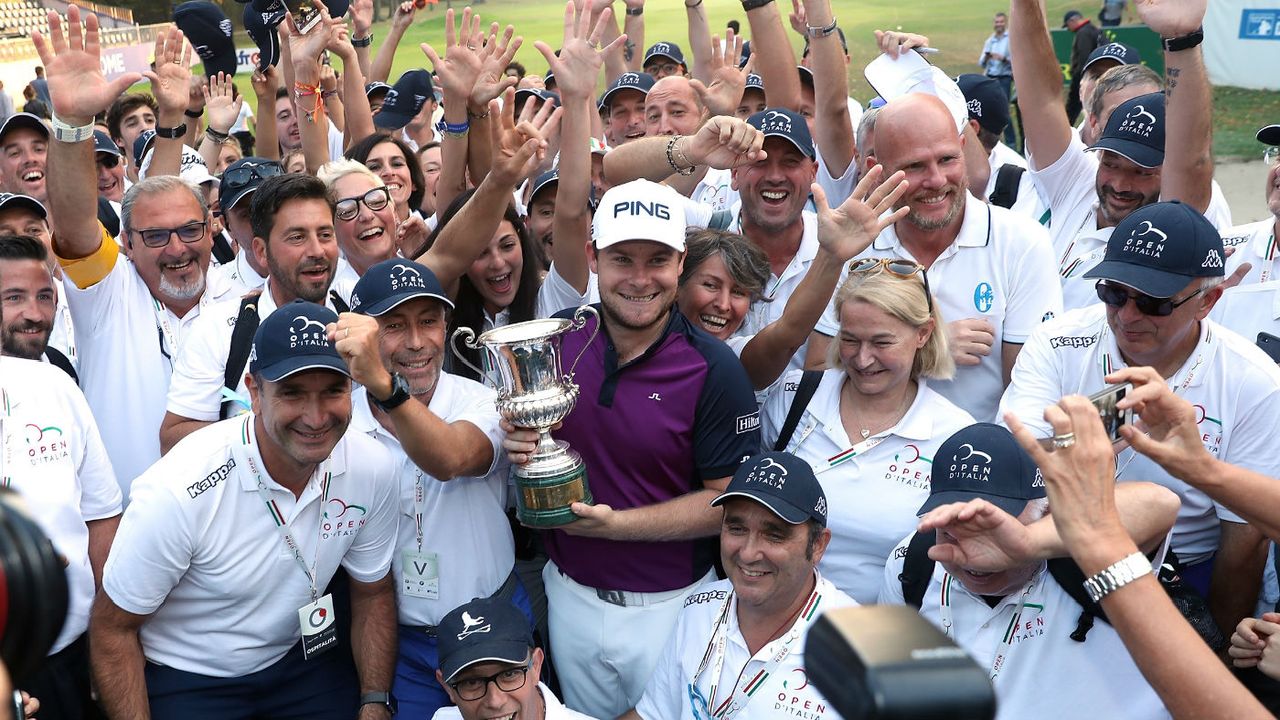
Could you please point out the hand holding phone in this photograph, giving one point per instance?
(1112, 419)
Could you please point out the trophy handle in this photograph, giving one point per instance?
(579, 322)
(469, 341)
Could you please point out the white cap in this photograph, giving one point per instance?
(193, 169)
(640, 210)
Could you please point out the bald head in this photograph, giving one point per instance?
(673, 107)
(917, 134)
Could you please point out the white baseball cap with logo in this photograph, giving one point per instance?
(640, 210)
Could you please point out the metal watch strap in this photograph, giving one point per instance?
(821, 32)
(63, 132)
(1121, 573)
(173, 133)
(1184, 42)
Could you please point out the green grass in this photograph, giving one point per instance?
(956, 27)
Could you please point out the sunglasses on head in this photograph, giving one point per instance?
(1116, 296)
(248, 172)
(901, 269)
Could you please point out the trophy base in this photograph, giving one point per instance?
(548, 485)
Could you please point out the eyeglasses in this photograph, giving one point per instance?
(901, 269)
(108, 160)
(375, 199)
(1116, 296)
(508, 680)
(159, 237)
(1271, 155)
(247, 172)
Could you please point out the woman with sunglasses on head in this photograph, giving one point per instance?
(872, 424)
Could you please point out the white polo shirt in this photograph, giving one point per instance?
(62, 338)
(875, 494)
(239, 275)
(1234, 386)
(555, 710)
(1000, 269)
(464, 521)
(199, 552)
(1250, 309)
(780, 287)
(52, 456)
(715, 190)
(126, 341)
(1045, 674)
(195, 391)
(784, 692)
(1255, 244)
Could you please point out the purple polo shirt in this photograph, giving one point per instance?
(653, 430)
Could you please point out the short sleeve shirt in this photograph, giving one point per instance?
(1255, 244)
(1250, 309)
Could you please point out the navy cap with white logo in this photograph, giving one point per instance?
(754, 82)
(375, 87)
(986, 101)
(641, 82)
(984, 461)
(784, 123)
(209, 30)
(483, 630)
(404, 100)
(394, 281)
(243, 177)
(261, 26)
(14, 200)
(23, 120)
(1269, 135)
(141, 144)
(1159, 248)
(543, 181)
(1115, 52)
(102, 143)
(671, 51)
(293, 339)
(1135, 130)
(781, 482)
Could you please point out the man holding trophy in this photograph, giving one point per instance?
(665, 414)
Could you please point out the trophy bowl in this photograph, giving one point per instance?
(524, 361)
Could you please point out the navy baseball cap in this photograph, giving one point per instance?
(1135, 130)
(141, 144)
(483, 630)
(524, 95)
(404, 100)
(375, 86)
(102, 143)
(8, 200)
(642, 82)
(337, 8)
(1269, 135)
(243, 177)
(549, 80)
(392, 282)
(754, 82)
(1161, 247)
(209, 30)
(781, 482)
(543, 181)
(261, 26)
(784, 123)
(806, 75)
(24, 120)
(1118, 53)
(984, 461)
(986, 101)
(293, 339)
(664, 50)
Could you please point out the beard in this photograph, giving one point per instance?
(954, 208)
(26, 346)
(1104, 210)
(189, 290)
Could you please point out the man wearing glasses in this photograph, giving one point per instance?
(292, 220)
(1256, 243)
(248, 271)
(1161, 275)
(490, 668)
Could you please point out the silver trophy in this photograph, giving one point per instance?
(534, 393)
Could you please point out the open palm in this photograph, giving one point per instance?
(1172, 18)
(847, 230)
(73, 67)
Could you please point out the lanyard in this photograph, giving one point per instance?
(419, 504)
(1001, 660)
(1270, 255)
(282, 526)
(168, 340)
(6, 457)
(842, 457)
(1063, 268)
(742, 691)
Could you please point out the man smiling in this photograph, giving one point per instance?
(24, 147)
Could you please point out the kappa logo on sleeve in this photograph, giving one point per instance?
(212, 479)
(1073, 341)
(705, 597)
(748, 423)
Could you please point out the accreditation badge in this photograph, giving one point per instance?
(319, 633)
(421, 574)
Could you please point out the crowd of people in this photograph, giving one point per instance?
(838, 358)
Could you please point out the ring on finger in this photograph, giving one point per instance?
(346, 333)
(1065, 440)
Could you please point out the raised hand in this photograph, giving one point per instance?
(494, 58)
(1172, 18)
(403, 16)
(222, 108)
(1172, 437)
(893, 43)
(171, 78)
(518, 147)
(723, 142)
(797, 18)
(361, 17)
(578, 66)
(459, 69)
(305, 49)
(728, 82)
(73, 67)
(849, 229)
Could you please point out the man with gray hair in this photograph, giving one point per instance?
(133, 306)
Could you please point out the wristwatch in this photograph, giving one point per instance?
(1120, 573)
(633, 12)
(749, 5)
(1184, 42)
(173, 133)
(399, 394)
(384, 699)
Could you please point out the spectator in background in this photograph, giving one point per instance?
(997, 65)
(33, 104)
(1112, 12)
(1088, 37)
(6, 104)
(41, 86)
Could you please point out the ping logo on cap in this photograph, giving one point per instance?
(975, 107)
(1138, 121)
(776, 121)
(636, 207)
(972, 465)
(1146, 240)
(770, 472)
